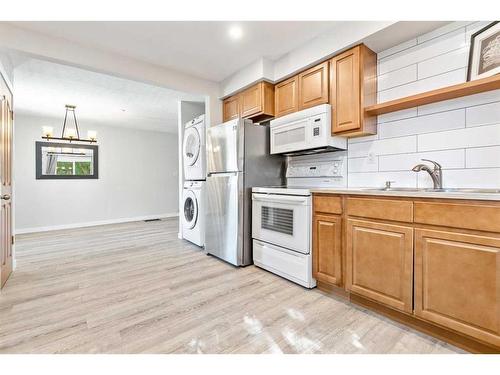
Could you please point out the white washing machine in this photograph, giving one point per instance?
(193, 149)
(193, 214)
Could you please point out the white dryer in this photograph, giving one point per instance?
(193, 149)
(193, 213)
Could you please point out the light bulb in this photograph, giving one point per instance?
(70, 133)
(47, 131)
(92, 135)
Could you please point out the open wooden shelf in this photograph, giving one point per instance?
(445, 93)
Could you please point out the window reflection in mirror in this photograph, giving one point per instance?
(65, 161)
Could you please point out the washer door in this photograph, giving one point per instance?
(190, 209)
(192, 145)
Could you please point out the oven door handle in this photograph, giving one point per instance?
(281, 198)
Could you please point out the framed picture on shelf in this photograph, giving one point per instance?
(484, 55)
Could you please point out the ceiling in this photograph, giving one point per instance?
(200, 48)
(43, 88)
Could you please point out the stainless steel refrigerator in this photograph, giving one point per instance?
(237, 158)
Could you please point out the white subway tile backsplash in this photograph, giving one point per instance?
(383, 147)
(488, 135)
(483, 157)
(443, 63)
(462, 134)
(362, 139)
(424, 51)
(397, 78)
(452, 26)
(397, 48)
(431, 83)
(463, 102)
(449, 159)
(398, 115)
(483, 114)
(423, 124)
(363, 165)
(465, 178)
(378, 179)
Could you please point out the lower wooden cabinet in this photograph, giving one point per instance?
(327, 249)
(457, 282)
(379, 260)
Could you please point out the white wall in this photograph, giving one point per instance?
(462, 134)
(137, 179)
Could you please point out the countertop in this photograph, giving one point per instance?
(410, 194)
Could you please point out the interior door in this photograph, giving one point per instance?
(6, 190)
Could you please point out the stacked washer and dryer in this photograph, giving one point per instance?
(193, 197)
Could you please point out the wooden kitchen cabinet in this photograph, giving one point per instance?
(353, 85)
(457, 282)
(256, 103)
(327, 249)
(379, 260)
(286, 95)
(313, 86)
(231, 108)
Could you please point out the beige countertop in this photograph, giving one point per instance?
(416, 193)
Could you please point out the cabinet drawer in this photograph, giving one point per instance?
(327, 204)
(477, 216)
(384, 209)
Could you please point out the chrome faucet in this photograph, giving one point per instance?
(436, 173)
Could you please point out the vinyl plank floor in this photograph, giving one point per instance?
(137, 288)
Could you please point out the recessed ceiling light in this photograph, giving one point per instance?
(235, 32)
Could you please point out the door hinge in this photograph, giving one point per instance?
(13, 240)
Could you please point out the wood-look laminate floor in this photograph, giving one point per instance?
(137, 288)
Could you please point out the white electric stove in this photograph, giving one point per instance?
(282, 216)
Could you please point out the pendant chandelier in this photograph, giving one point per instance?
(69, 134)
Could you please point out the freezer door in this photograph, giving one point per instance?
(224, 217)
(225, 147)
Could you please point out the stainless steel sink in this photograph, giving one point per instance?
(443, 190)
(395, 189)
(465, 190)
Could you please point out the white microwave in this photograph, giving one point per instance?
(306, 131)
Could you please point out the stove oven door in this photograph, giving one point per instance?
(283, 220)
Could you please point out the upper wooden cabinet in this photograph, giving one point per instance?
(313, 86)
(286, 95)
(231, 108)
(353, 85)
(256, 103)
(457, 282)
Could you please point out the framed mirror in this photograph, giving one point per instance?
(61, 161)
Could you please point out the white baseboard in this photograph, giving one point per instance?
(93, 223)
